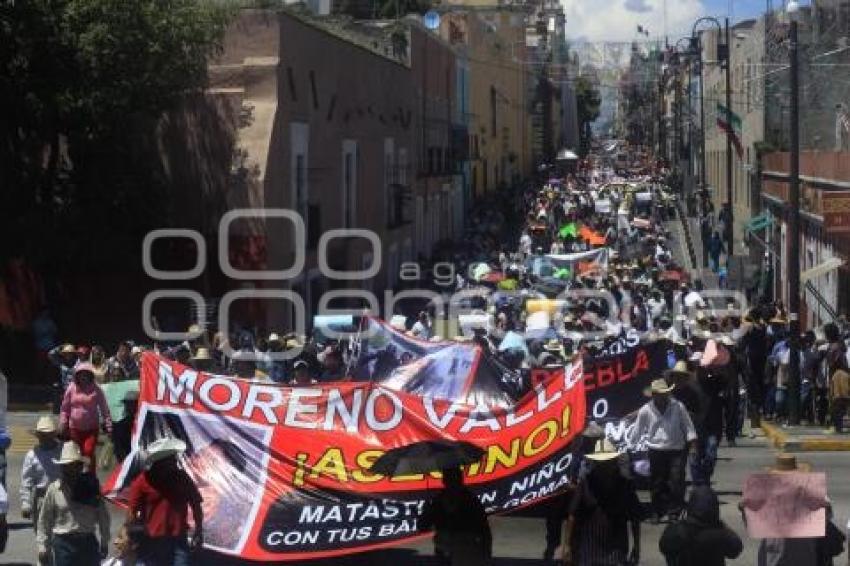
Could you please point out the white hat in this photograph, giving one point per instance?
(603, 451)
(70, 454)
(727, 340)
(274, 337)
(45, 425)
(136, 350)
(161, 449)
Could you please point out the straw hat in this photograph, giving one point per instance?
(660, 387)
(593, 430)
(195, 329)
(788, 463)
(554, 345)
(136, 350)
(202, 354)
(161, 449)
(274, 337)
(293, 344)
(84, 367)
(681, 368)
(778, 320)
(604, 451)
(727, 340)
(45, 425)
(70, 454)
(68, 349)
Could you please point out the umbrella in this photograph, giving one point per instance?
(426, 456)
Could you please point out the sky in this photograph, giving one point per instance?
(617, 20)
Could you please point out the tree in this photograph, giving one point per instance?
(82, 85)
(588, 102)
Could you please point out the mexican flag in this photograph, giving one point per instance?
(730, 123)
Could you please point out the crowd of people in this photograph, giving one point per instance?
(591, 265)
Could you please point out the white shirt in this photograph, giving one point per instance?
(420, 330)
(670, 430)
(4, 501)
(38, 470)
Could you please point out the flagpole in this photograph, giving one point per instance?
(730, 227)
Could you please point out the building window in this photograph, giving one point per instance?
(349, 183)
(299, 137)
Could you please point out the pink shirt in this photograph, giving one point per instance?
(83, 406)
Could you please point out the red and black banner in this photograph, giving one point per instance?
(285, 471)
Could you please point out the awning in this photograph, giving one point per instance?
(759, 222)
(566, 155)
(831, 264)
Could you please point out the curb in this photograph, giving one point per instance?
(782, 440)
(29, 407)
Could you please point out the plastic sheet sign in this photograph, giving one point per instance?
(785, 505)
(284, 471)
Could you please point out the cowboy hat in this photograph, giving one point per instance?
(603, 452)
(195, 329)
(274, 337)
(554, 345)
(201, 354)
(681, 368)
(70, 454)
(83, 368)
(45, 425)
(778, 320)
(161, 449)
(593, 430)
(727, 340)
(293, 343)
(68, 349)
(788, 463)
(660, 387)
(136, 350)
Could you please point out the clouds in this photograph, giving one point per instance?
(617, 20)
(639, 6)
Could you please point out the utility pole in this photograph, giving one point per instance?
(793, 267)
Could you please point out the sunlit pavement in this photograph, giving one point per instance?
(517, 540)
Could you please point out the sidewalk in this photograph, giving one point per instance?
(805, 438)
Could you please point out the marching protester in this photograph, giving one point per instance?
(64, 357)
(701, 538)
(83, 409)
(39, 469)
(669, 432)
(839, 393)
(71, 514)
(558, 507)
(160, 499)
(604, 511)
(461, 531)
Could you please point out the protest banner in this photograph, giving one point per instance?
(614, 383)
(785, 505)
(285, 471)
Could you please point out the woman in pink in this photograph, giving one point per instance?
(82, 409)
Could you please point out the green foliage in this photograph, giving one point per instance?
(82, 85)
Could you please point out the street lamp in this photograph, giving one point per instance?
(724, 56)
(793, 211)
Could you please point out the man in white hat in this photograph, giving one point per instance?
(665, 427)
(39, 469)
(603, 510)
(161, 497)
(71, 513)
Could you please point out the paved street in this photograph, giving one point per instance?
(517, 540)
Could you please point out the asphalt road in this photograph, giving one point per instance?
(517, 540)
